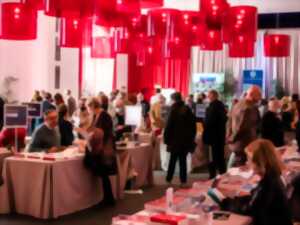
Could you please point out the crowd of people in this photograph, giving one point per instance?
(250, 129)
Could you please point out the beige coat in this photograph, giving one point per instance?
(242, 125)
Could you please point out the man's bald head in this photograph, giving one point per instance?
(253, 94)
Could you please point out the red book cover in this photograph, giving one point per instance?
(167, 219)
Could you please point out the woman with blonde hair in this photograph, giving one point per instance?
(268, 204)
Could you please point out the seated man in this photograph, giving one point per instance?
(46, 137)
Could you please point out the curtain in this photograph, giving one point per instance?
(170, 73)
(285, 71)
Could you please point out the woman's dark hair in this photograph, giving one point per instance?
(104, 101)
(58, 99)
(176, 97)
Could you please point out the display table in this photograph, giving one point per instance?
(48, 189)
(195, 160)
(3, 154)
(135, 161)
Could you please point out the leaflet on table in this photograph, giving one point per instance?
(161, 204)
(238, 172)
(67, 154)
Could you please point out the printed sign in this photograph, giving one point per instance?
(15, 116)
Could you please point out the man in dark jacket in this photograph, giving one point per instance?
(179, 136)
(215, 132)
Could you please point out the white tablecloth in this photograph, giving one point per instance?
(137, 160)
(48, 189)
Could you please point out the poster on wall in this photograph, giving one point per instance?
(15, 116)
(253, 77)
(203, 82)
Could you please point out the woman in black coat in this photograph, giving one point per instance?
(101, 155)
(268, 204)
(179, 136)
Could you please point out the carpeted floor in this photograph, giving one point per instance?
(102, 215)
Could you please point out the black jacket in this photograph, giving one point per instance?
(180, 131)
(272, 128)
(268, 204)
(215, 123)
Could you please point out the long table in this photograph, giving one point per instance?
(4, 153)
(48, 189)
(135, 161)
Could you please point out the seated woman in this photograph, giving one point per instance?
(65, 127)
(268, 204)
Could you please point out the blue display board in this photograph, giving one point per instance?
(253, 77)
(15, 116)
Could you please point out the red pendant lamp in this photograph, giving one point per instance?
(87, 31)
(102, 47)
(212, 41)
(120, 40)
(116, 12)
(18, 22)
(214, 10)
(151, 3)
(277, 45)
(71, 31)
(164, 23)
(241, 47)
(192, 27)
(58, 8)
(240, 21)
(36, 4)
(177, 49)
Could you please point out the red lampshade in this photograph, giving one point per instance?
(176, 49)
(87, 31)
(277, 45)
(192, 27)
(102, 47)
(151, 3)
(58, 7)
(241, 47)
(18, 22)
(240, 20)
(120, 40)
(164, 23)
(116, 12)
(36, 4)
(71, 31)
(214, 10)
(137, 25)
(212, 41)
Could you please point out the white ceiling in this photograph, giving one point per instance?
(264, 6)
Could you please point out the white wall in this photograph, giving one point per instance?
(33, 62)
(97, 74)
